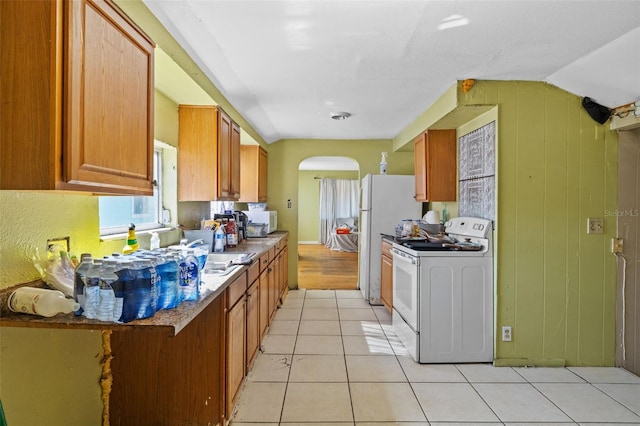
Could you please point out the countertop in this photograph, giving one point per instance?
(170, 321)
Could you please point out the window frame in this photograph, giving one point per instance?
(157, 183)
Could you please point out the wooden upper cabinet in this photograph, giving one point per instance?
(208, 154)
(436, 166)
(77, 93)
(253, 179)
(236, 167)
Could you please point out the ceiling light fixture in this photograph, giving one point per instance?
(340, 115)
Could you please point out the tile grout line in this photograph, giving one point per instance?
(293, 351)
(346, 369)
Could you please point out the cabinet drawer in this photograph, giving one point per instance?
(264, 260)
(386, 248)
(253, 272)
(236, 290)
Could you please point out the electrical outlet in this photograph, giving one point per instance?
(63, 242)
(595, 225)
(617, 245)
(506, 333)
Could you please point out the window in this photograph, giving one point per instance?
(117, 212)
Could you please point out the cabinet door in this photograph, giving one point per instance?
(436, 166)
(253, 322)
(235, 359)
(285, 266)
(262, 174)
(273, 291)
(224, 155)
(234, 191)
(420, 169)
(253, 173)
(108, 100)
(198, 153)
(386, 281)
(263, 298)
(89, 125)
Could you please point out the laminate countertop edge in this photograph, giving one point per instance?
(170, 321)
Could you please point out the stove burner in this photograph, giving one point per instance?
(425, 246)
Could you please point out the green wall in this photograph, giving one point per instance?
(285, 157)
(555, 283)
(309, 200)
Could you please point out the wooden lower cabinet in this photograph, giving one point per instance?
(386, 275)
(160, 379)
(273, 288)
(195, 377)
(236, 339)
(253, 322)
(263, 291)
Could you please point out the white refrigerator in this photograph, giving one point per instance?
(385, 201)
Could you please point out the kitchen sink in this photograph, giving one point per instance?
(219, 269)
(221, 264)
(231, 257)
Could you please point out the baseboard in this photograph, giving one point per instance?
(527, 362)
(309, 242)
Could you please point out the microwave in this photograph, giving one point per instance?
(268, 217)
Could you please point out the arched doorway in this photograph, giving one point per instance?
(318, 266)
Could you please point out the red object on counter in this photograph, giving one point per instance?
(232, 233)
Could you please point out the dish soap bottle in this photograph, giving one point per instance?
(383, 164)
(154, 242)
(132, 241)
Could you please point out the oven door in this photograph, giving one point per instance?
(406, 271)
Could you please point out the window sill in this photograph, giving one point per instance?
(123, 235)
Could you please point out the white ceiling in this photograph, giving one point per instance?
(286, 65)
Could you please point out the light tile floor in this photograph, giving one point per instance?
(331, 359)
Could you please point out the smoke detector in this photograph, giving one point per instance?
(340, 115)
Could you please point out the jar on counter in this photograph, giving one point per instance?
(407, 228)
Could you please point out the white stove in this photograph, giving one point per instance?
(443, 294)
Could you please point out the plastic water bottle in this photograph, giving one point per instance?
(122, 313)
(167, 288)
(154, 242)
(220, 239)
(150, 292)
(189, 276)
(80, 280)
(40, 301)
(107, 297)
(201, 253)
(92, 290)
(140, 297)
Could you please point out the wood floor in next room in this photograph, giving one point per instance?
(323, 268)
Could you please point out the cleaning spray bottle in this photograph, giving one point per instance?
(383, 164)
(132, 241)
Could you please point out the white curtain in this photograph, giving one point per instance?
(339, 198)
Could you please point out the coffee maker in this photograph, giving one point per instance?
(242, 221)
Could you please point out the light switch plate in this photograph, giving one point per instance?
(595, 225)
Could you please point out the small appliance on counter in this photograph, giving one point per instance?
(267, 217)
